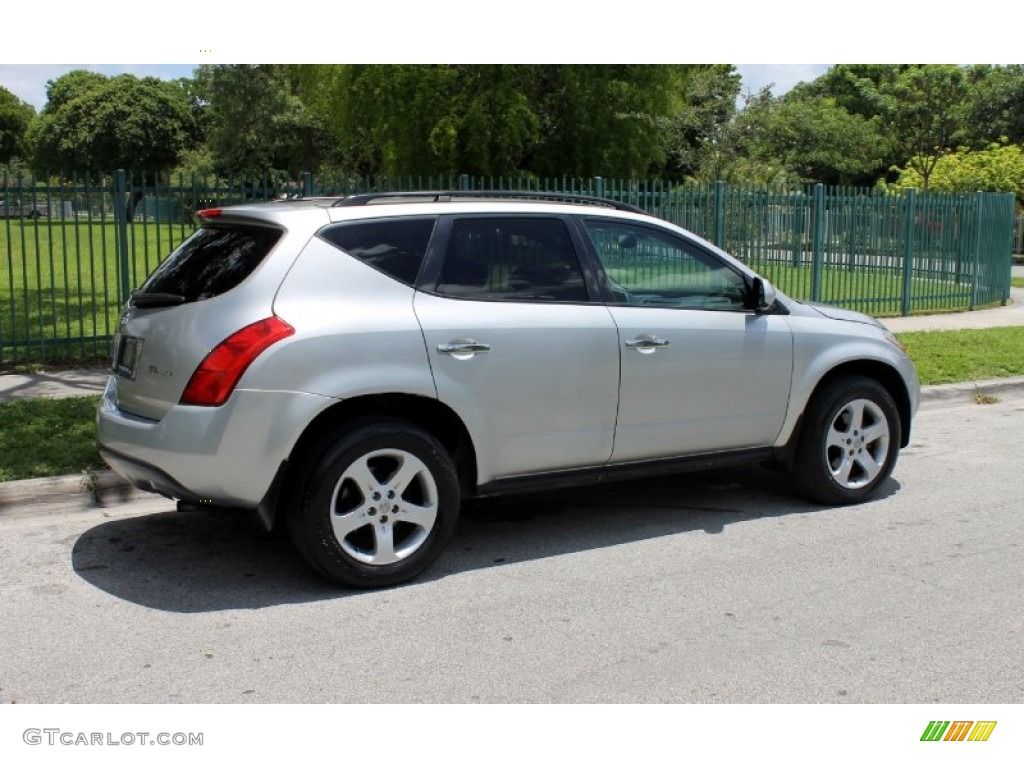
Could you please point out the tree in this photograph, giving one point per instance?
(98, 123)
(602, 119)
(923, 111)
(255, 118)
(810, 137)
(431, 119)
(693, 130)
(995, 105)
(15, 118)
(497, 119)
(696, 136)
(857, 88)
(920, 109)
(997, 168)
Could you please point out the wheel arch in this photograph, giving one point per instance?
(427, 413)
(878, 371)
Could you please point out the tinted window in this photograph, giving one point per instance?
(511, 258)
(394, 246)
(649, 267)
(212, 261)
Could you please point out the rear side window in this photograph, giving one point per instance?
(394, 246)
(211, 262)
(515, 258)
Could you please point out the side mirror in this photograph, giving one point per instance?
(762, 296)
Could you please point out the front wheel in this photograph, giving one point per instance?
(849, 442)
(378, 506)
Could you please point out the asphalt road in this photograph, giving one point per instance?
(709, 588)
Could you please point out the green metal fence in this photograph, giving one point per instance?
(73, 248)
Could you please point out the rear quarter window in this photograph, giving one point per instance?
(396, 247)
(212, 261)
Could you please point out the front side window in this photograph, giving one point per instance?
(394, 246)
(511, 258)
(645, 266)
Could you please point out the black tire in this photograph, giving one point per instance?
(849, 442)
(377, 506)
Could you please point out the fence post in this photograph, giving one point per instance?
(908, 251)
(307, 184)
(1011, 209)
(720, 214)
(464, 182)
(121, 228)
(818, 241)
(979, 201)
(598, 187)
(796, 202)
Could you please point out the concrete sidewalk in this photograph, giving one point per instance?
(1000, 317)
(77, 383)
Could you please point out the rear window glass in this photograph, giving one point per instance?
(394, 246)
(212, 261)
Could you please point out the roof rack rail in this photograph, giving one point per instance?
(452, 195)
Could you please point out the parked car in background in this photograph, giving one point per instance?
(19, 209)
(357, 367)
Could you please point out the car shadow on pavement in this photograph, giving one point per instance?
(210, 560)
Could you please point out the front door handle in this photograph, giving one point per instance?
(647, 343)
(463, 349)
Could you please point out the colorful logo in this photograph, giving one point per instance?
(958, 730)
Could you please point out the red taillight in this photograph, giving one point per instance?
(208, 213)
(216, 377)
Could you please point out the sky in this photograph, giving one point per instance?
(559, 31)
(28, 81)
(742, 32)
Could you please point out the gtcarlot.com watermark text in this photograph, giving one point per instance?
(56, 737)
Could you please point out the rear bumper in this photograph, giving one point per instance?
(228, 456)
(146, 477)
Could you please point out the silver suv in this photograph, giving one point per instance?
(357, 367)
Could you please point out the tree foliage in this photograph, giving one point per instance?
(995, 106)
(809, 138)
(856, 124)
(695, 134)
(255, 118)
(15, 118)
(997, 168)
(920, 109)
(98, 123)
(923, 110)
(498, 119)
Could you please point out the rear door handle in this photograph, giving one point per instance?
(647, 343)
(463, 349)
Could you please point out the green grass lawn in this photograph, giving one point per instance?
(1017, 282)
(877, 292)
(44, 437)
(943, 357)
(60, 282)
(41, 438)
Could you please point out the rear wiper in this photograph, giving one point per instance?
(142, 299)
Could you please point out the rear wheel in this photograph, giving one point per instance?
(378, 506)
(849, 442)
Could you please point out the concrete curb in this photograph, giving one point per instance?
(93, 490)
(968, 390)
(105, 487)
